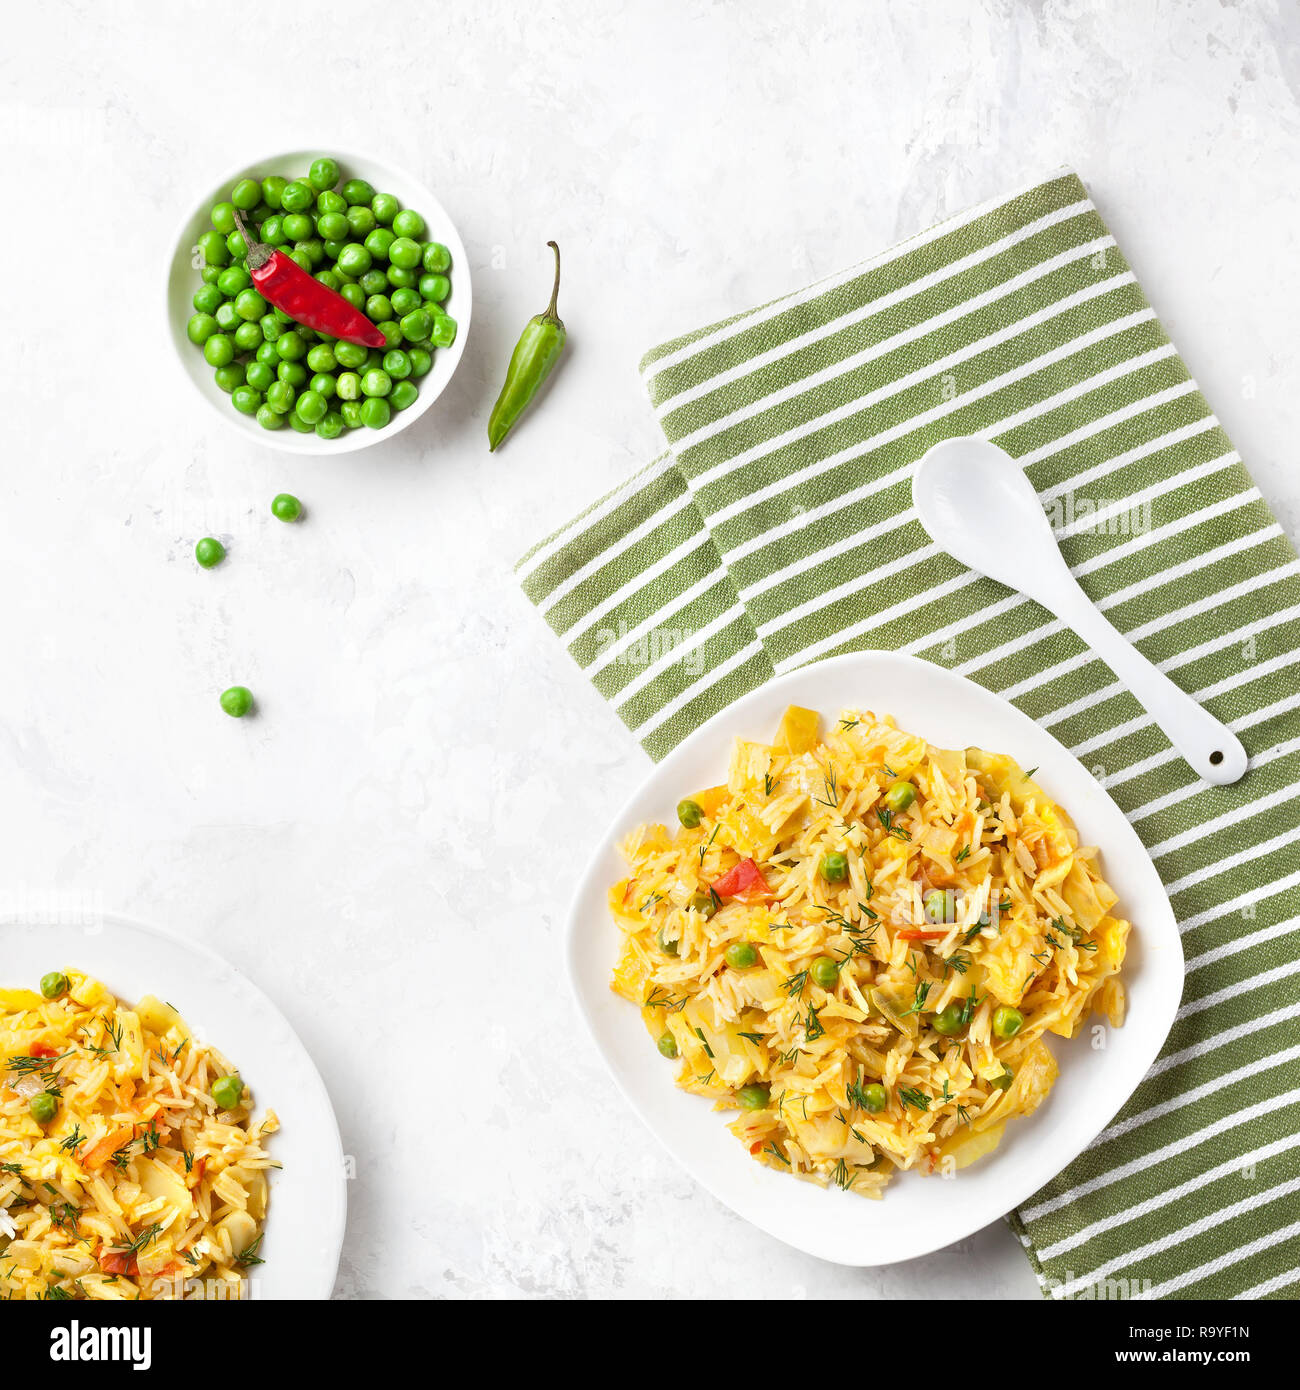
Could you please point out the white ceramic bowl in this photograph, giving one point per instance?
(308, 1207)
(183, 280)
(918, 1214)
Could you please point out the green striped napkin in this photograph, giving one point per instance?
(779, 530)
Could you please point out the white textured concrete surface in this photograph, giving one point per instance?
(387, 848)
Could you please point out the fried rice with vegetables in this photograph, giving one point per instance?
(859, 942)
(131, 1166)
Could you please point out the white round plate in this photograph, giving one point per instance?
(308, 1203)
(183, 280)
(917, 1214)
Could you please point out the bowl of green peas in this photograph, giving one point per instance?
(365, 230)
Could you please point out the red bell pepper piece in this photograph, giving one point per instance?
(742, 879)
(43, 1050)
(915, 934)
(118, 1262)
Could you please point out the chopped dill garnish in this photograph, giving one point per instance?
(1030, 773)
(771, 1148)
(74, 1140)
(812, 1026)
(249, 1256)
(958, 961)
(962, 853)
(909, 1095)
(708, 1051)
(841, 1176)
(887, 820)
(755, 1038)
(794, 985)
(917, 1004)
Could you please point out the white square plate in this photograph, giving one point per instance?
(308, 1204)
(918, 1214)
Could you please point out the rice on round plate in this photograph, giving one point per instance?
(859, 941)
(139, 1184)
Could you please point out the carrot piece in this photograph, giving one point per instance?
(100, 1152)
(117, 1261)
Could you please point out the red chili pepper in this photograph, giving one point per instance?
(284, 283)
(741, 878)
(914, 934)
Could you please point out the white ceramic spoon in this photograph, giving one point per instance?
(977, 503)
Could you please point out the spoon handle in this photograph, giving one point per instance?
(1209, 746)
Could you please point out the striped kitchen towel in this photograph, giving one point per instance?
(779, 529)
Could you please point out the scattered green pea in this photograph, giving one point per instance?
(285, 507)
(209, 552)
(1003, 1081)
(237, 701)
(43, 1107)
(689, 813)
(669, 948)
(704, 903)
(948, 1021)
(874, 1098)
(667, 1045)
(835, 867)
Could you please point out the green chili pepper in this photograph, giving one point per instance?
(536, 353)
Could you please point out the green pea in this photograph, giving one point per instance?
(417, 325)
(227, 1091)
(286, 507)
(397, 364)
(296, 226)
(1007, 1022)
(291, 346)
(357, 191)
(273, 232)
(825, 972)
(200, 328)
(227, 319)
(900, 796)
(348, 385)
(246, 400)
(753, 1097)
(269, 419)
(948, 1021)
(208, 274)
(349, 354)
(354, 259)
(376, 382)
(249, 305)
(941, 906)
(218, 350)
(333, 226)
(741, 955)
(667, 1045)
(259, 375)
(385, 207)
(247, 337)
(237, 701)
(54, 984)
(404, 253)
(405, 301)
(436, 258)
(409, 223)
(246, 194)
(421, 361)
(835, 866)
(689, 813)
(321, 358)
(209, 552)
(378, 308)
(329, 279)
(43, 1107)
(327, 202)
(297, 196)
(874, 1098)
(311, 407)
(361, 220)
(324, 173)
(280, 397)
(206, 299)
(354, 294)
(444, 331)
(1003, 1082)
(378, 242)
(330, 426)
(324, 385)
(400, 278)
(223, 217)
(298, 424)
(213, 249)
(294, 373)
(703, 903)
(351, 413)
(403, 395)
(669, 948)
(229, 376)
(273, 187)
(435, 287)
(236, 245)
